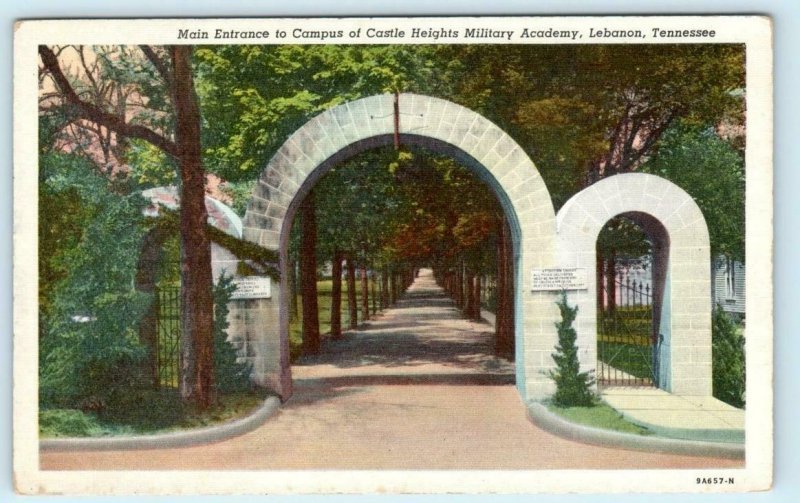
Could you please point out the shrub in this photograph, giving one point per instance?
(67, 422)
(90, 354)
(728, 367)
(230, 375)
(573, 387)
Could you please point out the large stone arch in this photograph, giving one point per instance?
(666, 210)
(343, 131)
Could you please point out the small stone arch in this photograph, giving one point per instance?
(223, 261)
(668, 212)
(442, 126)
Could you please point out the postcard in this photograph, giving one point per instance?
(393, 255)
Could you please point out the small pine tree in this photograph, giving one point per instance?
(573, 387)
(230, 375)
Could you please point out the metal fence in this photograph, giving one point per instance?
(168, 336)
(625, 344)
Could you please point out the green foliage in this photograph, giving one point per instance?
(711, 170)
(89, 353)
(728, 357)
(599, 415)
(126, 70)
(164, 412)
(62, 213)
(254, 97)
(261, 260)
(67, 423)
(390, 207)
(239, 194)
(358, 206)
(622, 238)
(150, 166)
(573, 387)
(230, 375)
(562, 104)
(126, 414)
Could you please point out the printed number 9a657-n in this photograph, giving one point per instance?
(714, 480)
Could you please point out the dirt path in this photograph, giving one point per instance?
(417, 388)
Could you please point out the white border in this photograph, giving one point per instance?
(754, 31)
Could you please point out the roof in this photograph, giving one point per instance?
(220, 215)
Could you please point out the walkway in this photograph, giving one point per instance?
(416, 388)
(679, 416)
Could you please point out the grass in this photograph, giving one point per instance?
(633, 359)
(623, 340)
(324, 300)
(162, 414)
(601, 415)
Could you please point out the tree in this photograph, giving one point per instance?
(308, 276)
(352, 307)
(620, 239)
(173, 66)
(728, 359)
(254, 115)
(573, 387)
(356, 209)
(584, 112)
(580, 112)
(336, 295)
(504, 321)
(711, 170)
(90, 355)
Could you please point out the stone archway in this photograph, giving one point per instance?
(685, 309)
(348, 129)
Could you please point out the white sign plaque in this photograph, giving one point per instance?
(559, 278)
(252, 287)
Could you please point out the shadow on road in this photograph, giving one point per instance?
(422, 339)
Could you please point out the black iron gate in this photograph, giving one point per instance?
(168, 336)
(626, 344)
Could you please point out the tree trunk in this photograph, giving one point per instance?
(372, 282)
(476, 302)
(385, 288)
(364, 292)
(504, 322)
(469, 298)
(458, 279)
(336, 296)
(197, 320)
(351, 293)
(308, 276)
(392, 288)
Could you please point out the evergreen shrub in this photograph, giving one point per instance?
(573, 387)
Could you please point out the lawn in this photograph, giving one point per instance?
(601, 415)
(623, 340)
(633, 359)
(324, 308)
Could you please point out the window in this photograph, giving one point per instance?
(730, 279)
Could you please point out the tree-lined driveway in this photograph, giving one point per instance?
(416, 388)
